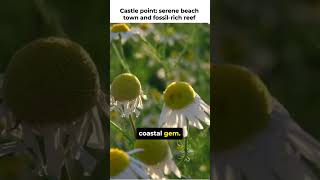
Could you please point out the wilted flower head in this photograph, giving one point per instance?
(265, 142)
(51, 91)
(122, 166)
(157, 156)
(126, 94)
(183, 106)
(242, 105)
(43, 73)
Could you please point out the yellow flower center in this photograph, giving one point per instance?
(117, 28)
(125, 87)
(241, 104)
(178, 95)
(119, 161)
(155, 151)
(51, 80)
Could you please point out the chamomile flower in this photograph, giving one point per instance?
(123, 166)
(183, 106)
(52, 106)
(126, 95)
(254, 135)
(122, 32)
(157, 156)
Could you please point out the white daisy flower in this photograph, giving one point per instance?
(254, 135)
(123, 166)
(52, 106)
(183, 106)
(123, 32)
(157, 156)
(126, 95)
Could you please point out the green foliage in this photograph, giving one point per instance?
(159, 55)
(280, 41)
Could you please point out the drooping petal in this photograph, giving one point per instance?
(54, 154)
(141, 172)
(96, 139)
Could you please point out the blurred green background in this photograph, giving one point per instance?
(82, 21)
(183, 53)
(279, 40)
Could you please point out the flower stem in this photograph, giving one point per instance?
(120, 130)
(121, 48)
(185, 156)
(122, 61)
(186, 47)
(155, 53)
(133, 126)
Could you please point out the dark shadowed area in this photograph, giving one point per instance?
(280, 41)
(84, 22)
